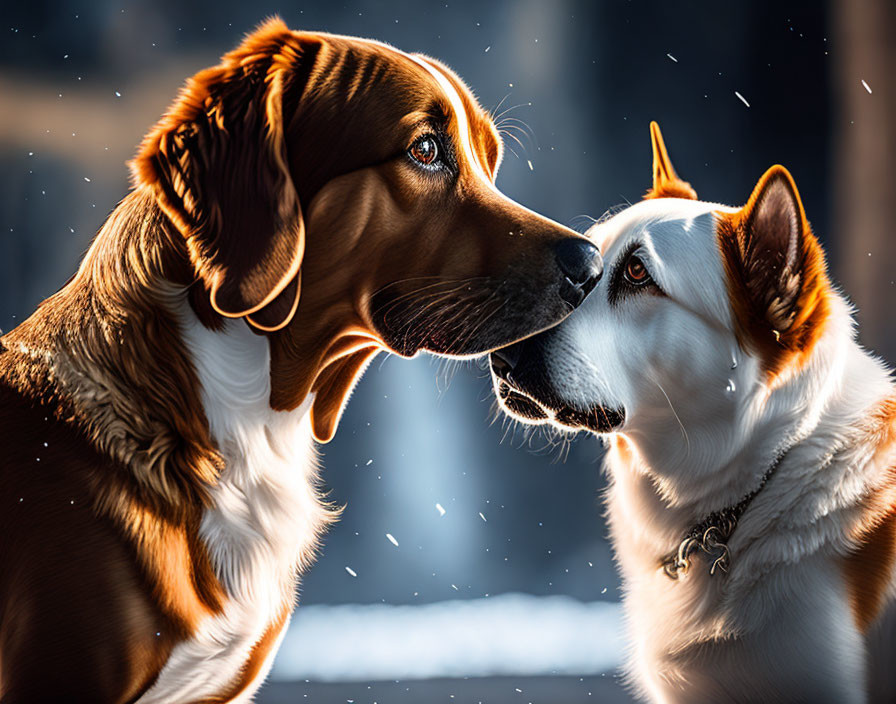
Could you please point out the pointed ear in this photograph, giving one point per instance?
(666, 183)
(217, 163)
(776, 270)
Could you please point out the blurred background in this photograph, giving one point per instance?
(471, 563)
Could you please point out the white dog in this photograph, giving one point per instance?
(752, 449)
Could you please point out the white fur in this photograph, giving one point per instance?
(265, 517)
(702, 426)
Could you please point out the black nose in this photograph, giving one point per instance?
(505, 359)
(580, 262)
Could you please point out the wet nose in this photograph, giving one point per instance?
(581, 264)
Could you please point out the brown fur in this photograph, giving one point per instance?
(782, 332)
(276, 189)
(869, 568)
(235, 108)
(106, 475)
(779, 307)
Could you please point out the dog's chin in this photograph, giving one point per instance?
(519, 405)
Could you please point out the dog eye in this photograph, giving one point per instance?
(635, 272)
(425, 150)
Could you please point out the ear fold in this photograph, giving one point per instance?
(776, 270)
(771, 248)
(218, 165)
(666, 183)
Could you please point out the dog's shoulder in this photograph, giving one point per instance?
(55, 553)
(77, 527)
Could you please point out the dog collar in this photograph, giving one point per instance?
(712, 534)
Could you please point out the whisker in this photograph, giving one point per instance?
(521, 125)
(515, 139)
(386, 287)
(681, 425)
(478, 326)
(384, 310)
(512, 151)
(577, 221)
(502, 114)
(498, 107)
(440, 282)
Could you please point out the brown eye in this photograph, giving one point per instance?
(425, 150)
(635, 271)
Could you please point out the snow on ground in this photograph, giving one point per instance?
(510, 634)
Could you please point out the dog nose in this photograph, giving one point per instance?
(504, 360)
(581, 263)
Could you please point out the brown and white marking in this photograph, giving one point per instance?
(713, 352)
(308, 202)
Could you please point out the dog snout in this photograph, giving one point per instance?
(504, 360)
(581, 264)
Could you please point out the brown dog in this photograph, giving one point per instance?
(308, 202)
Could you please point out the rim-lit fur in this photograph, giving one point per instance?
(740, 350)
(158, 492)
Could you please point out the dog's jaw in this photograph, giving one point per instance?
(531, 410)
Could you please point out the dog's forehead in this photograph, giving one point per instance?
(680, 238)
(668, 226)
(428, 79)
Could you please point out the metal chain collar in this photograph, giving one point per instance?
(713, 534)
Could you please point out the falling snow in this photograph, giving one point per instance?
(461, 506)
(392, 539)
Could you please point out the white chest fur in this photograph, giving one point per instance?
(265, 517)
(779, 626)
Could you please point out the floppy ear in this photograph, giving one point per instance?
(218, 166)
(333, 388)
(776, 271)
(666, 183)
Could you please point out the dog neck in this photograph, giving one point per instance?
(267, 486)
(112, 339)
(805, 421)
(266, 492)
(702, 459)
(835, 418)
(264, 514)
